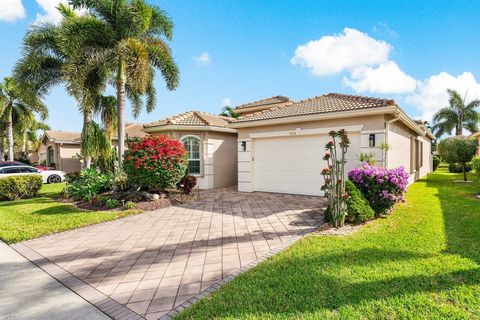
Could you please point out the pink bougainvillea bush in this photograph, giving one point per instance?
(382, 187)
(155, 162)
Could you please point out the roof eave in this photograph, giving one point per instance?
(187, 128)
(314, 117)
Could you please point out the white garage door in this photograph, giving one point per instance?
(293, 164)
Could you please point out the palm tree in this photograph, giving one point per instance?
(25, 127)
(228, 111)
(18, 99)
(45, 63)
(457, 115)
(127, 36)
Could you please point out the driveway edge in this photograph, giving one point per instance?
(107, 305)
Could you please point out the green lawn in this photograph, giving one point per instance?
(420, 262)
(30, 218)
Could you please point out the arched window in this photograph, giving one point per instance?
(192, 144)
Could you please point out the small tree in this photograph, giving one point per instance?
(458, 149)
(334, 176)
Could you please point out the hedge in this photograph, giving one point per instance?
(20, 187)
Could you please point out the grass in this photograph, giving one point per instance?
(30, 218)
(420, 262)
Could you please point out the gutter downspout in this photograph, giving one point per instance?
(387, 129)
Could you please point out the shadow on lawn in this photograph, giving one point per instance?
(461, 214)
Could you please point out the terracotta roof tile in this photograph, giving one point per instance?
(265, 102)
(192, 118)
(332, 102)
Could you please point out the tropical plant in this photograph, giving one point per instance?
(456, 116)
(367, 157)
(228, 111)
(381, 187)
(126, 37)
(112, 203)
(19, 100)
(155, 162)
(385, 147)
(88, 184)
(334, 176)
(47, 61)
(106, 108)
(459, 150)
(129, 205)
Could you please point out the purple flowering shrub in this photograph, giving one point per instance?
(382, 187)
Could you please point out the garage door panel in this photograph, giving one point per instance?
(293, 164)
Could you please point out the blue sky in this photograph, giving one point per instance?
(239, 51)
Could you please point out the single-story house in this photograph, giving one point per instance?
(61, 149)
(212, 146)
(280, 142)
(477, 135)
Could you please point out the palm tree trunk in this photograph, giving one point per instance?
(121, 81)
(10, 141)
(87, 158)
(2, 145)
(24, 146)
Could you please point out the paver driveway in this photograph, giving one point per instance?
(155, 261)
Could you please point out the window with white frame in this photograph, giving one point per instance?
(192, 144)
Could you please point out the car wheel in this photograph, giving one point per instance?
(54, 178)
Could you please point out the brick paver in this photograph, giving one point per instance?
(154, 262)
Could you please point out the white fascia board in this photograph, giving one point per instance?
(314, 117)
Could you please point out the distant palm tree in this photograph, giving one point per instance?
(228, 111)
(47, 62)
(457, 115)
(25, 128)
(18, 99)
(127, 36)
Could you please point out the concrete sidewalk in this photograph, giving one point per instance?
(27, 292)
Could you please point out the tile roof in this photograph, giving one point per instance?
(265, 102)
(192, 118)
(63, 135)
(332, 102)
(132, 130)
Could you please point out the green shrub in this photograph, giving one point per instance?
(20, 187)
(458, 168)
(120, 181)
(129, 205)
(72, 177)
(436, 162)
(89, 184)
(459, 150)
(155, 162)
(112, 203)
(476, 166)
(358, 208)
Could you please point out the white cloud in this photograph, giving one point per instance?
(226, 102)
(203, 59)
(431, 94)
(50, 11)
(342, 52)
(11, 10)
(385, 78)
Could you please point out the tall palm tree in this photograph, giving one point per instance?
(25, 127)
(45, 63)
(18, 99)
(457, 115)
(128, 37)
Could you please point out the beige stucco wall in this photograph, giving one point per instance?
(66, 161)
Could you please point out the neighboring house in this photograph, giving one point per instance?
(212, 146)
(477, 135)
(281, 143)
(60, 149)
